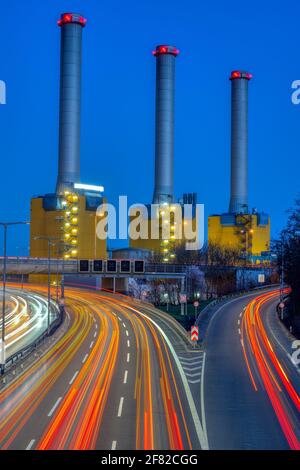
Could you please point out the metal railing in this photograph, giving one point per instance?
(28, 349)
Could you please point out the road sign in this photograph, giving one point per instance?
(182, 298)
(196, 303)
(194, 333)
(125, 266)
(139, 266)
(111, 266)
(97, 265)
(281, 305)
(84, 266)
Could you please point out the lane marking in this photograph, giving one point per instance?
(85, 358)
(114, 445)
(128, 343)
(125, 377)
(30, 445)
(202, 400)
(128, 357)
(120, 407)
(239, 322)
(95, 334)
(239, 331)
(54, 406)
(92, 344)
(74, 377)
(120, 318)
(127, 334)
(201, 431)
(192, 369)
(124, 325)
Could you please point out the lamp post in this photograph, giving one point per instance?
(51, 242)
(5, 225)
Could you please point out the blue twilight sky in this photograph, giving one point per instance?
(117, 139)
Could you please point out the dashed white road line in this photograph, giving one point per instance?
(95, 334)
(74, 377)
(128, 343)
(85, 358)
(125, 377)
(92, 344)
(120, 318)
(127, 334)
(239, 322)
(128, 357)
(124, 325)
(239, 331)
(120, 407)
(114, 445)
(54, 406)
(30, 445)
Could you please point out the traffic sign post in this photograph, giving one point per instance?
(182, 300)
(194, 333)
(196, 305)
(281, 306)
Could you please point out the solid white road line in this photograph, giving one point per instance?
(201, 431)
(54, 406)
(125, 377)
(114, 445)
(74, 377)
(202, 399)
(30, 445)
(85, 358)
(120, 407)
(128, 357)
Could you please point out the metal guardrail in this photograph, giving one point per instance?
(28, 349)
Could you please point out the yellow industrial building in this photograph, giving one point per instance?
(247, 233)
(69, 222)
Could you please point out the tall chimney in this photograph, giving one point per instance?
(71, 25)
(164, 130)
(239, 142)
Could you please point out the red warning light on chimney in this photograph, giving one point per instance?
(239, 74)
(161, 50)
(71, 18)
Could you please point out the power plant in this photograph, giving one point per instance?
(66, 219)
(163, 196)
(248, 233)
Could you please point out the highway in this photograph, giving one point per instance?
(113, 381)
(25, 319)
(251, 386)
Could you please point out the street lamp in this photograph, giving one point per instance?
(51, 242)
(5, 225)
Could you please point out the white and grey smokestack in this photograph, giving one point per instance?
(239, 142)
(164, 125)
(71, 25)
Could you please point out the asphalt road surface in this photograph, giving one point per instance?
(113, 381)
(251, 386)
